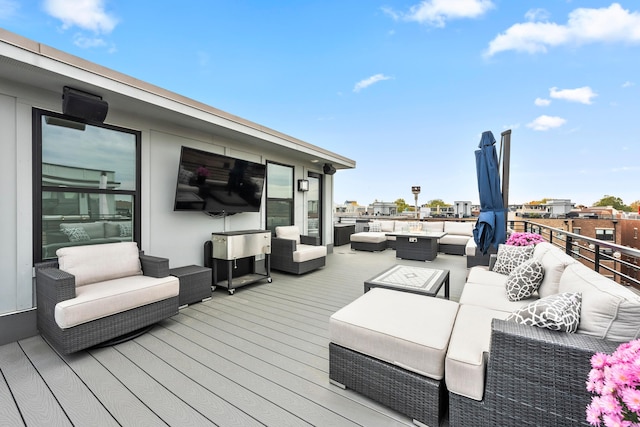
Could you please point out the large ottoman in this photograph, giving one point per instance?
(369, 241)
(390, 346)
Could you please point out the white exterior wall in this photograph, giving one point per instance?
(178, 236)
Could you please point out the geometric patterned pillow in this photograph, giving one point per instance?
(125, 229)
(559, 312)
(524, 280)
(509, 257)
(375, 226)
(76, 234)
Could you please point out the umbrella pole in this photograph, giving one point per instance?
(506, 147)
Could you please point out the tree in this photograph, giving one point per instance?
(614, 202)
(539, 202)
(635, 206)
(435, 203)
(402, 205)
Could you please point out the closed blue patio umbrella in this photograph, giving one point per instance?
(490, 226)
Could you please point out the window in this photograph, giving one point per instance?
(605, 234)
(280, 191)
(86, 184)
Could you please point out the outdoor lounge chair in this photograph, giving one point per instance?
(295, 253)
(96, 293)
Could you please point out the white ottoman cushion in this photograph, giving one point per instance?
(369, 237)
(409, 330)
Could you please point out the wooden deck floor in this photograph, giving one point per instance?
(259, 357)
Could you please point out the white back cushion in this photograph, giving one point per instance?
(291, 232)
(97, 263)
(433, 226)
(609, 310)
(460, 228)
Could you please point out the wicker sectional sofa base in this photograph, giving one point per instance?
(419, 397)
(369, 246)
(535, 377)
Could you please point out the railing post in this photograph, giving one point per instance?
(568, 244)
(596, 259)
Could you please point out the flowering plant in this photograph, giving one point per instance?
(524, 239)
(615, 379)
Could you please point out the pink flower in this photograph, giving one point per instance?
(616, 381)
(631, 398)
(524, 239)
(599, 360)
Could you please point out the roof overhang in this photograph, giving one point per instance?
(42, 67)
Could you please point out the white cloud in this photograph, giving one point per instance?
(582, 95)
(537, 15)
(8, 8)
(362, 84)
(612, 24)
(88, 42)
(628, 84)
(437, 12)
(85, 14)
(541, 102)
(543, 123)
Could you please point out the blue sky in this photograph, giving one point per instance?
(405, 88)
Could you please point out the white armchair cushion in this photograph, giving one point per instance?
(291, 232)
(97, 263)
(308, 252)
(98, 300)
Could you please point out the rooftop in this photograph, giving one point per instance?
(259, 357)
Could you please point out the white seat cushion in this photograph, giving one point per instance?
(493, 297)
(454, 239)
(468, 350)
(405, 329)
(470, 248)
(308, 252)
(98, 300)
(97, 263)
(369, 237)
(482, 274)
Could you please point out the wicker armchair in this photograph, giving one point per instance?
(294, 253)
(54, 286)
(535, 377)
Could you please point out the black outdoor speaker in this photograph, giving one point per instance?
(328, 169)
(83, 105)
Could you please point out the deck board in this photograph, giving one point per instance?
(258, 357)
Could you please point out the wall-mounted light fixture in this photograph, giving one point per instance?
(303, 185)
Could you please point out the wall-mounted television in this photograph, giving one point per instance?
(217, 184)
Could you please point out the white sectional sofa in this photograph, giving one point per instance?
(375, 239)
(508, 362)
